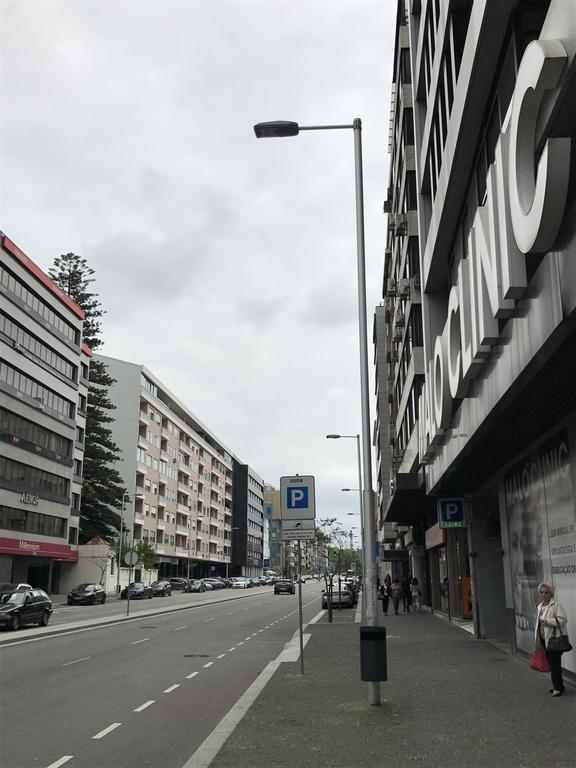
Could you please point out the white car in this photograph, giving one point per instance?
(240, 583)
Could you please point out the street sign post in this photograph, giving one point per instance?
(297, 498)
(451, 513)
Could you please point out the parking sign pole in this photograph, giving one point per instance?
(300, 607)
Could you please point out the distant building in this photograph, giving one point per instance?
(43, 395)
(272, 514)
(248, 530)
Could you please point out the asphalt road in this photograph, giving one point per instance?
(139, 693)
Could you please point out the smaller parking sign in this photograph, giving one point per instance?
(297, 498)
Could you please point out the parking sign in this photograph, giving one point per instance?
(297, 497)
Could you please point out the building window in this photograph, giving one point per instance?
(28, 521)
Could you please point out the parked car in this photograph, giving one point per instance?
(241, 583)
(87, 594)
(138, 591)
(207, 585)
(216, 583)
(162, 587)
(25, 606)
(197, 585)
(284, 587)
(339, 597)
(14, 587)
(178, 582)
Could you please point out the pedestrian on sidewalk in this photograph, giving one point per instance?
(396, 594)
(384, 592)
(406, 593)
(550, 620)
(416, 595)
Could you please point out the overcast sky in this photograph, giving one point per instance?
(226, 265)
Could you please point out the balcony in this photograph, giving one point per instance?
(181, 552)
(182, 529)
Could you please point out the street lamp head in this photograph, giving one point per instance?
(333, 437)
(276, 129)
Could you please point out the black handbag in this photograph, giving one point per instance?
(559, 643)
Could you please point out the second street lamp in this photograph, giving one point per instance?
(281, 128)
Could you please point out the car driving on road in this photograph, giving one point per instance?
(284, 587)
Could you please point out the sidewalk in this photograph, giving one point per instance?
(451, 701)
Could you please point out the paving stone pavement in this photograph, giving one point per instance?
(451, 701)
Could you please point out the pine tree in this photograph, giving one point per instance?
(102, 487)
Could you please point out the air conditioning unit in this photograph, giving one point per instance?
(387, 207)
(391, 288)
(397, 334)
(400, 320)
(404, 288)
(416, 280)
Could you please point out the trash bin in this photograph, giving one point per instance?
(373, 661)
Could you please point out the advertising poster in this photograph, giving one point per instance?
(542, 531)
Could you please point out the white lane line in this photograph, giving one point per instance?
(212, 619)
(140, 641)
(241, 642)
(172, 688)
(179, 628)
(107, 730)
(231, 613)
(232, 649)
(260, 630)
(221, 656)
(208, 664)
(247, 638)
(144, 706)
(61, 761)
(193, 674)
(76, 661)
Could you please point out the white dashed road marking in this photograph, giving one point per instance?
(208, 664)
(144, 706)
(107, 730)
(172, 688)
(193, 674)
(76, 661)
(221, 656)
(179, 628)
(140, 641)
(232, 649)
(61, 761)
(241, 642)
(212, 619)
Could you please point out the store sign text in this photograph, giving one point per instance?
(523, 213)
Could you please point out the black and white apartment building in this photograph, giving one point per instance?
(476, 335)
(43, 394)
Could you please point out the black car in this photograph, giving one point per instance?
(87, 594)
(284, 586)
(30, 606)
(197, 585)
(216, 583)
(138, 591)
(161, 587)
(179, 582)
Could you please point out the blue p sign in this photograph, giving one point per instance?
(297, 497)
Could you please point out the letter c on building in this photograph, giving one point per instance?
(537, 203)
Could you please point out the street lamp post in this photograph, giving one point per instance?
(357, 438)
(283, 128)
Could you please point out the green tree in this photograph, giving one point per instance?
(102, 487)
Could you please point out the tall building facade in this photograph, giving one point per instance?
(43, 394)
(490, 420)
(248, 529)
(179, 475)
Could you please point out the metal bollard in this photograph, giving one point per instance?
(373, 660)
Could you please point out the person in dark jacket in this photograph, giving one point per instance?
(384, 592)
(407, 594)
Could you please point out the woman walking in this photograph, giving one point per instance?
(396, 594)
(416, 595)
(550, 620)
(385, 592)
